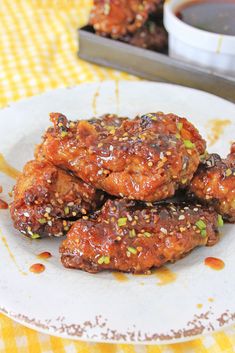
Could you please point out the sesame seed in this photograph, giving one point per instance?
(163, 230)
(181, 217)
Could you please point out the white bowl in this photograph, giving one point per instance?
(210, 50)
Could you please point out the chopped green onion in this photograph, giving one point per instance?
(203, 233)
(35, 236)
(122, 221)
(132, 250)
(177, 136)
(200, 224)
(42, 220)
(104, 260)
(179, 126)
(189, 144)
(147, 234)
(66, 210)
(220, 221)
(63, 133)
(132, 233)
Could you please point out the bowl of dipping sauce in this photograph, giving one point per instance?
(202, 32)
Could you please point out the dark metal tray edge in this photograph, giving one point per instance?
(151, 65)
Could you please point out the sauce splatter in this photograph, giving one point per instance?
(211, 300)
(7, 168)
(94, 101)
(11, 255)
(214, 263)
(165, 276)
(120, 277)
(216, 127)
(37, 268)
(117, 94)
(3, 205)
(199, 306)
(44, 255)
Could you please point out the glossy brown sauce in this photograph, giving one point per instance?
(7, 169)
(217, 127)
(37, 268)
(12, 255)
(216, 16)
(44, 255)
(165, 275)
(214, 263)
(94, 101)
(120, 277)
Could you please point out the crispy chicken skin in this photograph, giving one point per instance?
(117, 18)
(134, 237)
(214, 184)
(47, 198)
(147, 158)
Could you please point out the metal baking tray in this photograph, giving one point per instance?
(151, 65)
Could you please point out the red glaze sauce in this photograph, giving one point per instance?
(3, 205)
(37, 268)
(214, 263)
(44, 255)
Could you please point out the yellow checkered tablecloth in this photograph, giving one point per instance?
(38, 52)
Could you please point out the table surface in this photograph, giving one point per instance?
(38, 46)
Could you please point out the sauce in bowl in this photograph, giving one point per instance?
(216, 16)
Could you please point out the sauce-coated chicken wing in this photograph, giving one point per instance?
(147, 158)
(134, 237)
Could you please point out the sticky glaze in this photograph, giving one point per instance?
(214, 263)
(7, 169)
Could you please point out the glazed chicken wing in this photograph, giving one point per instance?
(47, 198)
(147, 158)
(214, 184)
(135, 237)
(117, 18)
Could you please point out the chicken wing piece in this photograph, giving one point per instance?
(214, 184)
(47, 198)
(150, 36)
(135, 237)
(146, 158)
(117, 18)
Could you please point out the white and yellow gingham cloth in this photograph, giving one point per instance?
(38, 52)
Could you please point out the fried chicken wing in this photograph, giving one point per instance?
(47, 198)
(146, 158)
(116, 18)
(134, 237)
(151, 36)
(214, 184)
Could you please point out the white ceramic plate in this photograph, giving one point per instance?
(78, 305)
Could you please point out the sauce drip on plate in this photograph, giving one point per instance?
(37, 268)
(44, 255)
(214, 263)
(216, 16)
(7, 169)
(120, 277)
(165, 275)
(216, 127)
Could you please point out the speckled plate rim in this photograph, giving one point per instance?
(100, 328)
